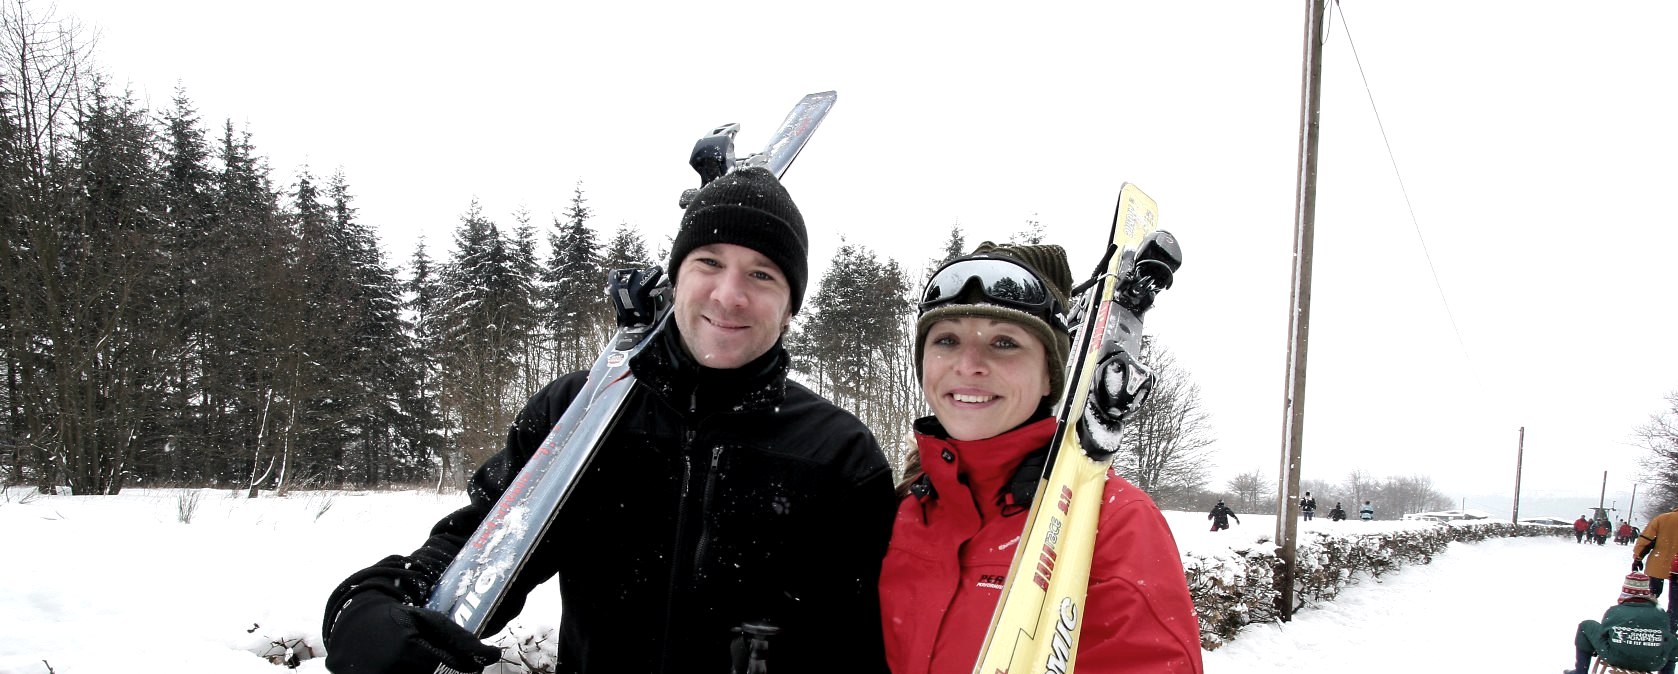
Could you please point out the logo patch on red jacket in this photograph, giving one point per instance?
(993, 582)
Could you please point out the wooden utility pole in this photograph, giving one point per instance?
(1604, 493)
(1299, 314)
(1520, 450)
(1631, 509)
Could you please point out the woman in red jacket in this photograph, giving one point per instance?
(991, 353)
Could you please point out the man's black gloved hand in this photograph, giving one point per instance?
(376, 633)
(1636, 564)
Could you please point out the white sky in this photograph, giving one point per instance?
(1535, 140)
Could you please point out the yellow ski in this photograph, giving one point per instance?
(1039, 615)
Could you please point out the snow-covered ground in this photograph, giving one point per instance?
(94, 585)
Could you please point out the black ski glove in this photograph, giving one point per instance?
(1636, 564)
(376, 633)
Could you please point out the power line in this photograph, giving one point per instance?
(1393, 159)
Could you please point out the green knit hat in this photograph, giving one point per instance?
(1048, 262)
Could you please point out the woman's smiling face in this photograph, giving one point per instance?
(982, 376)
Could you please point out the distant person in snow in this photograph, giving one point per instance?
(1623, 536)
(1220, 516)
(1367, 512)
(1308, 506)
(1602, 532)
(1655, 553)
(727, 493)
(990, 351)
(1633, 634)
(1580, 526)
(1337, 514)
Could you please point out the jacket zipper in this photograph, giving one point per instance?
(689, 434)
(705, 507)
(676, 565)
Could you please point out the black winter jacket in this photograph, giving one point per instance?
(720, 498)
(1220, 515)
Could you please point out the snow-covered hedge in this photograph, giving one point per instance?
(1236, 587)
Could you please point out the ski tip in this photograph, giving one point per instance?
(1130, 188)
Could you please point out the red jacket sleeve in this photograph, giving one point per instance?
(1140, 617)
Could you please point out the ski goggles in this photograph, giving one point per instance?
(996, 281)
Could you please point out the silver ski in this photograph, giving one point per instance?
(475, 583)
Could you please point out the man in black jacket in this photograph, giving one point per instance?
(1220, 516)
(726, 494)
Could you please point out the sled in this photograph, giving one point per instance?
(1601, 666)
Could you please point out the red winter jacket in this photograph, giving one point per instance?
(951, 547)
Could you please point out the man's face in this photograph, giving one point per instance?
(732, 304)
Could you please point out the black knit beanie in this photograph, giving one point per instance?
(750, 208)
(1049, 263)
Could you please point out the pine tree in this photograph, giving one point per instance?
(955, 246)
(102, 330)
(423, 426)
(375, 366)
(576, 312)
(244, 335)
(627, 250)
(188, 245)
(14, 425)
(482, 288)
(529, 325)
(849, 340)
(1032, 234)
(317, 392)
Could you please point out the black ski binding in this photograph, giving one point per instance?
(1157, 260)
(638, 295)
(713, 157)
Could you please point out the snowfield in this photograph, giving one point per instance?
(95, 585)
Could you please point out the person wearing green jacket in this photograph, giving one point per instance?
(1633, 633)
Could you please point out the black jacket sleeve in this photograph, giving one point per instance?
(859, 532)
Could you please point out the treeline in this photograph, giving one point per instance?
(1392, 497)
(169, 315)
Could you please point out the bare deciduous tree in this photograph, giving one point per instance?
(1413, 494)
(1359, 486)
(44, 61)
(1166, 444)
(1250, 491)
(1659, 437)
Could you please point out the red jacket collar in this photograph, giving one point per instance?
(982, 468)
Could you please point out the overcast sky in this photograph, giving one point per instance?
(1535, 139)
